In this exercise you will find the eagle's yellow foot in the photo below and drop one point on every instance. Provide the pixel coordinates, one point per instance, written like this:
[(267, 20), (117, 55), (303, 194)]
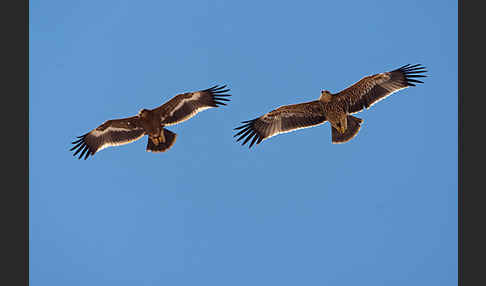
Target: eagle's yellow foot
[(155, 141)]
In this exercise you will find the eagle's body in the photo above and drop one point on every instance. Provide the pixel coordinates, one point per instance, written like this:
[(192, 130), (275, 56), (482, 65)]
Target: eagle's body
[(150, 122), (335, 108)]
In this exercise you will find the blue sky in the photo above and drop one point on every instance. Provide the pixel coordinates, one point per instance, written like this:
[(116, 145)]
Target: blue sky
[(296, 210)]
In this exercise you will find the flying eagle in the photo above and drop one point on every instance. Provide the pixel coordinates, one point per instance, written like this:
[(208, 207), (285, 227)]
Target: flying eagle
[(150, 122), (335, 108)]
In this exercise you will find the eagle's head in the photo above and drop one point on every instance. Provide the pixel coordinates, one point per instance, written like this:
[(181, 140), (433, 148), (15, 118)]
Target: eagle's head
[(325, 96), (143, 113)]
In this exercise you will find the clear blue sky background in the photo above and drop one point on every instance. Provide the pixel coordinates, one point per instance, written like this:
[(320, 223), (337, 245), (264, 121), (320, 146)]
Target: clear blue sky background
[(295, 210)]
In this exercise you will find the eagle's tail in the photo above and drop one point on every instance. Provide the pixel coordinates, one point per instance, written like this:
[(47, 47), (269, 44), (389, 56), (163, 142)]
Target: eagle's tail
[(170, 138), (354, 124)]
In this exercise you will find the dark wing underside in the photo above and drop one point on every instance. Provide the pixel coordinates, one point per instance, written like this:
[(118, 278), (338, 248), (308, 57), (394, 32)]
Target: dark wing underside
[(110, 133), (372, 89), (185, 106), (281, 120)]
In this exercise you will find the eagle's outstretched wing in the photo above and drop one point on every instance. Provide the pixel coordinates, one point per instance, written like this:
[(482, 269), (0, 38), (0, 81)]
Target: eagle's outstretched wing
[(371, 89), (281, 120), (186, 105), (111, 133)]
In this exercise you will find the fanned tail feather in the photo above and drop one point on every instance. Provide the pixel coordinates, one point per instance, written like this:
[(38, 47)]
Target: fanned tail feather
[(354, 124)]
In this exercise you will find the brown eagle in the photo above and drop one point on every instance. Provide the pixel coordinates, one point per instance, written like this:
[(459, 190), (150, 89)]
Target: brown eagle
[(335, 108), (150, 122)]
